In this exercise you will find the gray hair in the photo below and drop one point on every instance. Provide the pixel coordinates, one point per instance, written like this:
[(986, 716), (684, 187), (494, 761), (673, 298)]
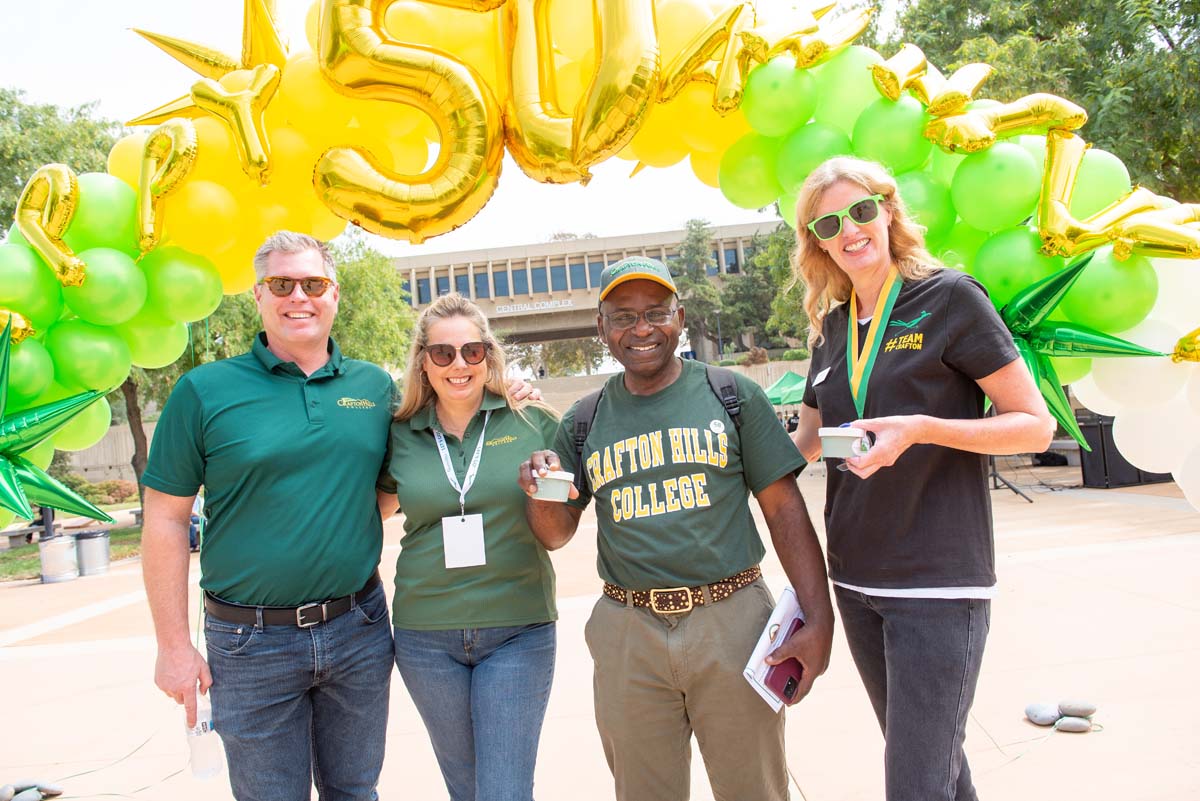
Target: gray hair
[(292, 242)]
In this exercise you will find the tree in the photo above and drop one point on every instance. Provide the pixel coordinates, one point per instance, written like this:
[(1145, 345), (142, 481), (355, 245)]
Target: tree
[(560, 357), (374, 323), (1134, 65), (32, 135), (700, 298), (773, 253)]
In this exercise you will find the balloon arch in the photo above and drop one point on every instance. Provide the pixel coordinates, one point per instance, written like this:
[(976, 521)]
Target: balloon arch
[(397, 116)]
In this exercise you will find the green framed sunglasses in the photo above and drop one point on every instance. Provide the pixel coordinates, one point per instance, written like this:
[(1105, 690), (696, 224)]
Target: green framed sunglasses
[(862, 212)]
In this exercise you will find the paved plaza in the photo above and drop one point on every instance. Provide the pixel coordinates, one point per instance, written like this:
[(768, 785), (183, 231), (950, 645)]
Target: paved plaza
[(1099, 600)]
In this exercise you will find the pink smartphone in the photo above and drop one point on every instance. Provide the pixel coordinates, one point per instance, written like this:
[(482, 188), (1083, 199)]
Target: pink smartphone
[(784, 679)]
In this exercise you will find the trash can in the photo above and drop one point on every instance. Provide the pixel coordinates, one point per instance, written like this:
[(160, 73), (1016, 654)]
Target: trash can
[(92, 548), (59, 561)]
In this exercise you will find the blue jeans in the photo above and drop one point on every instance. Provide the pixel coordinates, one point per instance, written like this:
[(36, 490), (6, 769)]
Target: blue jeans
[(482, 694), (919, 659), (297, 706)]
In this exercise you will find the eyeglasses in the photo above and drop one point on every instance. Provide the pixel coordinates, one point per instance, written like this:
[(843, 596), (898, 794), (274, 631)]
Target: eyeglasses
[(861, 211), (314, 286), (472, 353), (626, 319)]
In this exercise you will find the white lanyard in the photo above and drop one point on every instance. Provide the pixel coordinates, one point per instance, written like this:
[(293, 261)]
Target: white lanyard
[(465, 487)]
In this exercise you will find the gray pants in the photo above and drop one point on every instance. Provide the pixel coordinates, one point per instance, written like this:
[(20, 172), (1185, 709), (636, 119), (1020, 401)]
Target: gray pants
[(919, 659)]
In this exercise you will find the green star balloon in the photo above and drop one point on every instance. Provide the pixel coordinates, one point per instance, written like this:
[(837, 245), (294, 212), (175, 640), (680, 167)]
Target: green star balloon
[(1037, 339), (22, 482)]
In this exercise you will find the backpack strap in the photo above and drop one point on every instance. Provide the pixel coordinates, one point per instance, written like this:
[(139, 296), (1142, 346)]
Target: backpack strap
[(585, 413), (724, 386)]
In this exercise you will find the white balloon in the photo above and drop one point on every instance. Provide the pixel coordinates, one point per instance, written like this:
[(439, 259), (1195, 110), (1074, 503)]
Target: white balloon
[(1143, 380), (1188, 477), (1178, 292), (1193, 390), (1092, 397), (1156, 438)]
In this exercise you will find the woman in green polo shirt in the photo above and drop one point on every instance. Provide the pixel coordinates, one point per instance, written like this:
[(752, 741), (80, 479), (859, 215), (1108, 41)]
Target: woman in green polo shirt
[(474, 608)]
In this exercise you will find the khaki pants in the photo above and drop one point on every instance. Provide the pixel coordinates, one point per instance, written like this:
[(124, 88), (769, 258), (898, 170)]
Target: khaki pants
[(659, 678)]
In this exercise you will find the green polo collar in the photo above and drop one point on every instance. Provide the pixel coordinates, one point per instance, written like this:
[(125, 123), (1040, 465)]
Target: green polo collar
[(272, 362), (427, 417)]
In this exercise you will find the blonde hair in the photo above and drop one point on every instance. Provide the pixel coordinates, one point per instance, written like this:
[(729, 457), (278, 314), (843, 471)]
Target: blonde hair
[(418, 394), (825, 284)]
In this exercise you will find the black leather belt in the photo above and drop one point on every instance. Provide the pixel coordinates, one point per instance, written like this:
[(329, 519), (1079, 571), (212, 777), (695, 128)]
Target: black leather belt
[(304, 616)]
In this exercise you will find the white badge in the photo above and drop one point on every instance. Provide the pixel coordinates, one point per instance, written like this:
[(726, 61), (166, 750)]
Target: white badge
[(462, 541), (821, 376)]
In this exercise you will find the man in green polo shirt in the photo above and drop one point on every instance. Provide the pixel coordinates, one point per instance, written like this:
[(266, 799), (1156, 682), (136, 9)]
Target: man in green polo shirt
[(287, 441), (684, 601)]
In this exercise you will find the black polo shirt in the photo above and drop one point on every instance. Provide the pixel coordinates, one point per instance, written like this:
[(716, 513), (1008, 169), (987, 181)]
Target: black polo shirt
[(926, 521)]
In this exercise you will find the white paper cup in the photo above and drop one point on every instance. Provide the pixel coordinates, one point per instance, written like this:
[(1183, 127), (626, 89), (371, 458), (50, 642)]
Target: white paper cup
[(554, 486), (842, 443)]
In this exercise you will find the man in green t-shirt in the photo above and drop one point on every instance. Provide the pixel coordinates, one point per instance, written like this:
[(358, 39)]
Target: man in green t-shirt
[(287, 440), (684, 601)]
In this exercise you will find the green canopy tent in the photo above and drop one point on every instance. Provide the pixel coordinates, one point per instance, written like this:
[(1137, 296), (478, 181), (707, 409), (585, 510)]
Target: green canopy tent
[(793, 394), (776, 392)]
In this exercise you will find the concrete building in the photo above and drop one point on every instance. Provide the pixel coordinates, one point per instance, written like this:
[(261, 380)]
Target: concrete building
[(550, 290)]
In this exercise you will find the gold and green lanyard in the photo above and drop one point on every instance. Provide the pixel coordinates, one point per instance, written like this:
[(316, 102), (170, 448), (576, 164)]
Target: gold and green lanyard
[(861, 363)]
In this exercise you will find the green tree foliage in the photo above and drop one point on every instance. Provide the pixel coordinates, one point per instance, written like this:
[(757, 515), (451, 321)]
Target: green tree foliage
[(1133, 64), (32, 135), (561, 357), (700, 298)]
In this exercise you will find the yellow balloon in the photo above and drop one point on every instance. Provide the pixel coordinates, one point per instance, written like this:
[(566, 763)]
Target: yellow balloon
[(294, 157), (307, 101), (658, 143), (409, 155), (236, 267), (201, 217), (714, 133), (705, 166), (410, 22), (571, 26), (312, 20), (216, 154), (125, 158), (678, 22), (325, 225)]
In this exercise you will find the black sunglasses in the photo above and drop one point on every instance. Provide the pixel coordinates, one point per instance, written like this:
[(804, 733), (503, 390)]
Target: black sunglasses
[(472, 352), (314, 286), (861, 211)]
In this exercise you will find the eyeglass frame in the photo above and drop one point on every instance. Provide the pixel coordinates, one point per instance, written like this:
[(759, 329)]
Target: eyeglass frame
[(843, 214), (642, 315), (456, 351), (325, 281)]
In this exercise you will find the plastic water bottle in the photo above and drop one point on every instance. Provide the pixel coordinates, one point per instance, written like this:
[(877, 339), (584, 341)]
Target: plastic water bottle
[(203, 744)]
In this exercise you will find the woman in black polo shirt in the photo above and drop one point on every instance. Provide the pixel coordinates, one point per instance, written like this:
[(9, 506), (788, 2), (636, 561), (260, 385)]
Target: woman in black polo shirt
[(907, 350)]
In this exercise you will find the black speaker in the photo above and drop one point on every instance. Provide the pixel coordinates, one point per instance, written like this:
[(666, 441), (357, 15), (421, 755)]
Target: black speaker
[(1104, 467)]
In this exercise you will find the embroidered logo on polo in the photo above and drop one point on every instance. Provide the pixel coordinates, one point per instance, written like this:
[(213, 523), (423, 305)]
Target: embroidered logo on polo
[(355, 403), (505, 440), (910, 341)]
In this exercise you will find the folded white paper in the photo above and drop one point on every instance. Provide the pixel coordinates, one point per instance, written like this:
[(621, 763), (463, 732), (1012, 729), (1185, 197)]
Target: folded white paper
[(787, 609)]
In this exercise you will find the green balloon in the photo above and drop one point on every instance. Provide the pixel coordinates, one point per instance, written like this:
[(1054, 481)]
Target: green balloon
[(943, 165), (1111, 295), (112, 291), (1012, 260), (892, 133), (996, 188), (1071, 368), (106, 216), (845, 87), (928, 201), (805, 148), (787, 208), (28, 286), (15, 237), (778, 97), (1034, 145), (1102, 179), (153, 340), (182, 286), (30, 371), (960, 246), (88, 428), (747, 172), (87, 356)]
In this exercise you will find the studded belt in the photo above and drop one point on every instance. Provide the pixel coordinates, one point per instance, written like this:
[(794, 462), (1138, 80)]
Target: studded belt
[(674, 600)]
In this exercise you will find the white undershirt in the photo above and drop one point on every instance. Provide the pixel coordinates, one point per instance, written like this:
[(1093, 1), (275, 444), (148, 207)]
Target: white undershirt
[(923, 592)]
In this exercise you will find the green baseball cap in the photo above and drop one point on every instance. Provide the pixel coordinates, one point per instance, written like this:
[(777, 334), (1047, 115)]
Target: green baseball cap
[(635, 268)]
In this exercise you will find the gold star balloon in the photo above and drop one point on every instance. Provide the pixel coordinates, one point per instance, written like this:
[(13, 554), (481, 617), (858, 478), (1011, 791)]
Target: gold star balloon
[(21, 482)]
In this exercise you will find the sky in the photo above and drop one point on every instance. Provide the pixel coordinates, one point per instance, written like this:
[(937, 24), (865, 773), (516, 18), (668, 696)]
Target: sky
[(69, 53)]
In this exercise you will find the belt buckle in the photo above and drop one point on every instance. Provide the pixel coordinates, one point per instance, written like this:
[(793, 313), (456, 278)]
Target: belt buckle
[(308, 624), (687, 594)]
